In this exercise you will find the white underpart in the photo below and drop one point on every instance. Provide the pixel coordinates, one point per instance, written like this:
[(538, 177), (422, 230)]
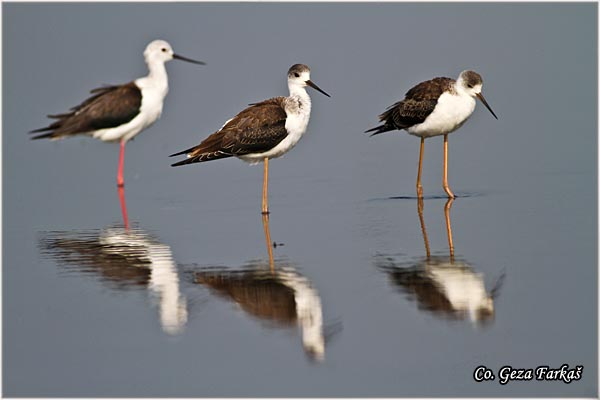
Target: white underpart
[(297, 108), (464, 289), (309, 312), (154, 88), (164, 281), (451, 112)]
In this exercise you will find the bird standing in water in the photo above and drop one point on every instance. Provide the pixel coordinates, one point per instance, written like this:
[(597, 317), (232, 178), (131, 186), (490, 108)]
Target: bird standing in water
[(264, 130), (119, 112), (432, 108)]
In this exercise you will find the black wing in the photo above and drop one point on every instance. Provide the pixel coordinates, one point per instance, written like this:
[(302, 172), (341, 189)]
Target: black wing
[(419, 102), (110, 106)]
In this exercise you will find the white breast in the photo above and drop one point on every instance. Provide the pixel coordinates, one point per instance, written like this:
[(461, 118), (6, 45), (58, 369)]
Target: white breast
[(451, 111), (295, 124), (150, 110)]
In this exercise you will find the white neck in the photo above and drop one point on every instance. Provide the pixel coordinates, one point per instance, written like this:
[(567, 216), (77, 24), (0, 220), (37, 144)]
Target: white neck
[(459, 88), (156, 67), (299, 92), (157, 75)]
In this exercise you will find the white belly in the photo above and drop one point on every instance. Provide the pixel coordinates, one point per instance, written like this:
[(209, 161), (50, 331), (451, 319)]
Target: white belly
[(295, 124), (450, 113), (150, 110)]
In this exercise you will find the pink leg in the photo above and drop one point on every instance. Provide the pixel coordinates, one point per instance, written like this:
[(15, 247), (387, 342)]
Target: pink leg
[(120, 181), (123, 207)]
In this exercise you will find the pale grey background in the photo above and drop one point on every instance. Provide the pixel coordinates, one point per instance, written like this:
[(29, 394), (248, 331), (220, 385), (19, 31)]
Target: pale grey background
[(530, 177)]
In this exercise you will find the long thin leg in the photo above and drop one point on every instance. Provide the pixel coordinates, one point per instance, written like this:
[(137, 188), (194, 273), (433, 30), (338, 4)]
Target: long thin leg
[(420, 210), (447, 208), (120, 181), (265, 194), (419, 187), (446, 187), (265, 220), (123, 206)]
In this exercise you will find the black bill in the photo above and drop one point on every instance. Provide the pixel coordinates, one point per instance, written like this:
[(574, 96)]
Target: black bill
[(178, 57), (480, 97), (312, 85)]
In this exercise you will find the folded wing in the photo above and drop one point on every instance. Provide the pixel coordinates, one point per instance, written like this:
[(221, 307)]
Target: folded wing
[(109, 107), (256, 129)]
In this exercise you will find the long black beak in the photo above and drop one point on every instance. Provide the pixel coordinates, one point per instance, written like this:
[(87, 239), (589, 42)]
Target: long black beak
[(178, 57), (312, 85), (480, 97)]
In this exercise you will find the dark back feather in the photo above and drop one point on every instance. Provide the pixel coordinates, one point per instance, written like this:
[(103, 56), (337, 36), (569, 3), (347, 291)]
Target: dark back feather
[(256, 129), (430, 90), (418, 103), (110, 106)]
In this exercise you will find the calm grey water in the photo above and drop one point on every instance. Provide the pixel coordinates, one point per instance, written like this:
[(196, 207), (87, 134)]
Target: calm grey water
[(188, 302)]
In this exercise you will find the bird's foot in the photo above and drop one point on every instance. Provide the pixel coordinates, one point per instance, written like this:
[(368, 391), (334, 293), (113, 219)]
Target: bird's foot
[(449, 192)]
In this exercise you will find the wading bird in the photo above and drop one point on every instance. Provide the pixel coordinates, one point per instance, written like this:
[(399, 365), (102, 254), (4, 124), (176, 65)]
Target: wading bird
[(432, 108), (119, 112), (264, 130)]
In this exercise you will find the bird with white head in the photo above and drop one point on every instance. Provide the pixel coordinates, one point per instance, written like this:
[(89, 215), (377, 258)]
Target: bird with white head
[(120, 112)]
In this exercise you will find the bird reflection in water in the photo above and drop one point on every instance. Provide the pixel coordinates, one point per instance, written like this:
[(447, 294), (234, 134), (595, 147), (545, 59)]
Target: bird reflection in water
[(445, 286), (273, 292), (121, 190), (123, 258)]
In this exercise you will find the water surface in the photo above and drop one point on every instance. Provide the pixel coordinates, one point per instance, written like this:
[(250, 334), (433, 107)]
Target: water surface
[(362, 295)]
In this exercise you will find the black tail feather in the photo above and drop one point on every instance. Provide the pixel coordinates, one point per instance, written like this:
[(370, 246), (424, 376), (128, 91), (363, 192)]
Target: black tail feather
[(186, 161), (184, 151), (380, 129), (41, 130), (203, 157), (59, 116), (42, 136), (53, 126)]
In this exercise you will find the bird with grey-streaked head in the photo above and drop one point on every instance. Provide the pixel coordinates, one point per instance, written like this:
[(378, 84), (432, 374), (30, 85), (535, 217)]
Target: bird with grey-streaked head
[(435, 107), (264, 130)]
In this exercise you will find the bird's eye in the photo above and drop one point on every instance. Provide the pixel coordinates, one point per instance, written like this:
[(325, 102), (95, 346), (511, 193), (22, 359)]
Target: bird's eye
[(164, 49), (471, 86), (297, 75)]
